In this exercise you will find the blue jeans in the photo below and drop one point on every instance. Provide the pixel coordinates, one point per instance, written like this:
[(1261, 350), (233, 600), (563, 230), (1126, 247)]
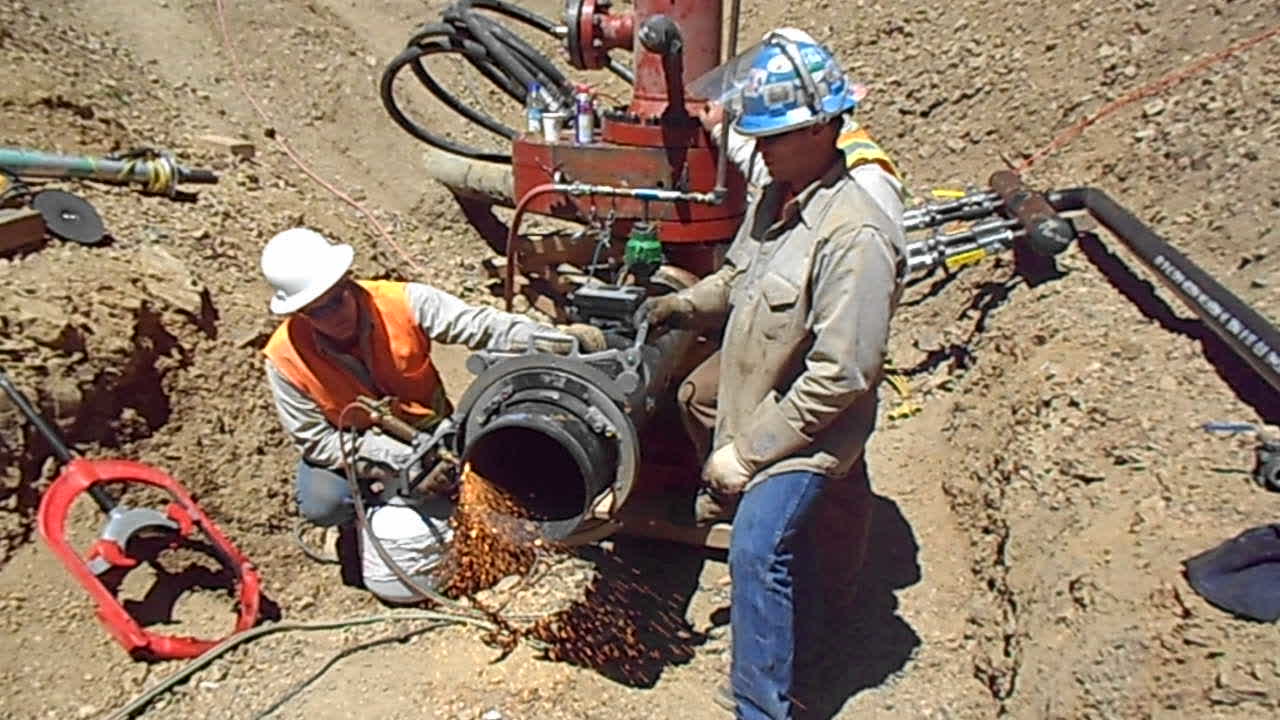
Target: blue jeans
[(776, 611), (323, 496)]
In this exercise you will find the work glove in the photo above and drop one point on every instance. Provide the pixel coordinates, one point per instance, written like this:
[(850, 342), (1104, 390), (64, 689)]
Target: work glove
[(725, 472), (441, 479), (673, 310), (438, 473), (590, 338), (380, 456), (710, 507)]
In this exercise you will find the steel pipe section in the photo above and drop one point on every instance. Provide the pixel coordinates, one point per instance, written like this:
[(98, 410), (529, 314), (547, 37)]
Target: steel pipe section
[(555, 431)]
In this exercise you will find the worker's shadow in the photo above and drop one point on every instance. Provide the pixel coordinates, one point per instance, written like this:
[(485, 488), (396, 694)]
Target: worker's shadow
[(631, 624), (866, 641)]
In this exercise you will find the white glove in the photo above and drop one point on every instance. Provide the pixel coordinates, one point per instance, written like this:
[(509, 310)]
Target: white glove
[(380, 455), (726, 473)]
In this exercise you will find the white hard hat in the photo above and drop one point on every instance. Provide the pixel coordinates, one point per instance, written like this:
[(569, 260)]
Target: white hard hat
[(301, 265)]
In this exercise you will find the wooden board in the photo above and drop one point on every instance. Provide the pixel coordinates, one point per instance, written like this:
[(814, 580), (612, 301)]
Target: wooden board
[(20, 229)]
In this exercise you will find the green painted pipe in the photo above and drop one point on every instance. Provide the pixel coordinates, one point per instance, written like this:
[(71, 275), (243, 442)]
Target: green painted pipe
[(160, 174)]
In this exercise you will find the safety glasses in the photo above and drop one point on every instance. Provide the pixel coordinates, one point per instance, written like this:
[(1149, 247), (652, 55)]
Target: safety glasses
[(327, 303)]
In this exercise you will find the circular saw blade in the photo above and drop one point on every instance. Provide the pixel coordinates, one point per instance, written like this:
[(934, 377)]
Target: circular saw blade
[(69, 217)]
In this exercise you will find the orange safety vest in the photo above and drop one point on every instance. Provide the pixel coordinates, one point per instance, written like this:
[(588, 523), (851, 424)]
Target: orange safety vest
[(400, 364), (859, 149)]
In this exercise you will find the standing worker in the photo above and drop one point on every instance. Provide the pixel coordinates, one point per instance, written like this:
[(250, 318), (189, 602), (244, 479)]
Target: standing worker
[(869, 166), (805, 296), (343, 338)]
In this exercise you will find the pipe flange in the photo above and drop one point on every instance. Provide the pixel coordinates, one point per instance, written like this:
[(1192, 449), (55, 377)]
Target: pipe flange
[(517, 375), (579, 18)]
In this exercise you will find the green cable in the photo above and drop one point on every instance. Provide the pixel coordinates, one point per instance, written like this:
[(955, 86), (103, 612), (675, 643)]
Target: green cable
[(297, 689), (142, 701)]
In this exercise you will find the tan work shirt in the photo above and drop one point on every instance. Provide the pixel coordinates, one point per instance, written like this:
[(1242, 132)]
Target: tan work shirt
[(809, 291)]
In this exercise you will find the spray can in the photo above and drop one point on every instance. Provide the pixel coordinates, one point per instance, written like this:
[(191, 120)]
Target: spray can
[(533, 108), (584, 115)]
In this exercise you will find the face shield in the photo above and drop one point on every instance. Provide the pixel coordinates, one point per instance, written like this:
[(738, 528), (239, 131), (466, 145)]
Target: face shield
[(726, 83), (778, 85)]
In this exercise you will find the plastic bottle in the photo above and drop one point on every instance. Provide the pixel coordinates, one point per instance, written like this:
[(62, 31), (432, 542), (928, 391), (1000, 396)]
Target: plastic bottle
[(415, 538), (534, 105), (584, 115)]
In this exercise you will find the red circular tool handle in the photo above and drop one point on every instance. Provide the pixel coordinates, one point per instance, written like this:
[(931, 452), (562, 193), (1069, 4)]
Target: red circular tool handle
[(78, 477)]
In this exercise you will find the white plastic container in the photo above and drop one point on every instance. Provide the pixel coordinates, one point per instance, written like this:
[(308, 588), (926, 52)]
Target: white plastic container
[(552, 124), (415, 537)]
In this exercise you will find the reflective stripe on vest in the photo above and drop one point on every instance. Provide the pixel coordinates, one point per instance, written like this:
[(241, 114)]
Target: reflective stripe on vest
[(400, 362), (860, 149)]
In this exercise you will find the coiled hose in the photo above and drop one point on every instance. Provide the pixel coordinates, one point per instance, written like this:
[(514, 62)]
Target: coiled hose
[(502, 56)]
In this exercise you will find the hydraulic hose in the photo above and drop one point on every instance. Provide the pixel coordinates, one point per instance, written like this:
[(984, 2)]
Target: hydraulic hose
[(502, 56), (1254, 339)]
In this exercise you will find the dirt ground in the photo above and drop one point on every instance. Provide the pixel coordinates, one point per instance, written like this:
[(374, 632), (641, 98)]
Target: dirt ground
[(1030, 521)]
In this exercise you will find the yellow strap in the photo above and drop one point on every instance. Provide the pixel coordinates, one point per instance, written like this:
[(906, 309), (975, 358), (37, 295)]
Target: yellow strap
[(906, 406), (860, 149), (971, 257)]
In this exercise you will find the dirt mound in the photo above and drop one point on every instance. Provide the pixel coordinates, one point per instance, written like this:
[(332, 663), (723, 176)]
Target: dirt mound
[(98, 349), (1031, 518)]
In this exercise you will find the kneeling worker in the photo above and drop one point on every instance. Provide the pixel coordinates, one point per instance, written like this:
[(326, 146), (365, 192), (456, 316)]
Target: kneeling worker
[(343, 338)]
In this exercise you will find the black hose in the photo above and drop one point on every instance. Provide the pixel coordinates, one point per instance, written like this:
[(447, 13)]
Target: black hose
[(500, 55), (100, 496), (412, 55), (1248, 334)]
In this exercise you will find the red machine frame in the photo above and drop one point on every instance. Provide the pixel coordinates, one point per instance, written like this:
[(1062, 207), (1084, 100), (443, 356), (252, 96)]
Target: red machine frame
[(656, 142)]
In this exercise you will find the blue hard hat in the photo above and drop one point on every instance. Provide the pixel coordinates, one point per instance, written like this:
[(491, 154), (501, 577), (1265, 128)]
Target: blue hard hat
[(791, 85)]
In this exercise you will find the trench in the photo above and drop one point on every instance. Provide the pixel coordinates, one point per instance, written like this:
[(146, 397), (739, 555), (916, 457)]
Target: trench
[(980, 497), (978, 500)]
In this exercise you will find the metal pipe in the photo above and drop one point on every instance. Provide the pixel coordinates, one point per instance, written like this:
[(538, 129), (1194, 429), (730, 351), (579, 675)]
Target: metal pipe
[(722, 162), (967, 207), (1248, 334), (100, 496), (160, 174), (548, 462), (735, 15), (558, 433), (555, 433), (1047, 232), (962, 247), (487, 181), (646, 194)]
